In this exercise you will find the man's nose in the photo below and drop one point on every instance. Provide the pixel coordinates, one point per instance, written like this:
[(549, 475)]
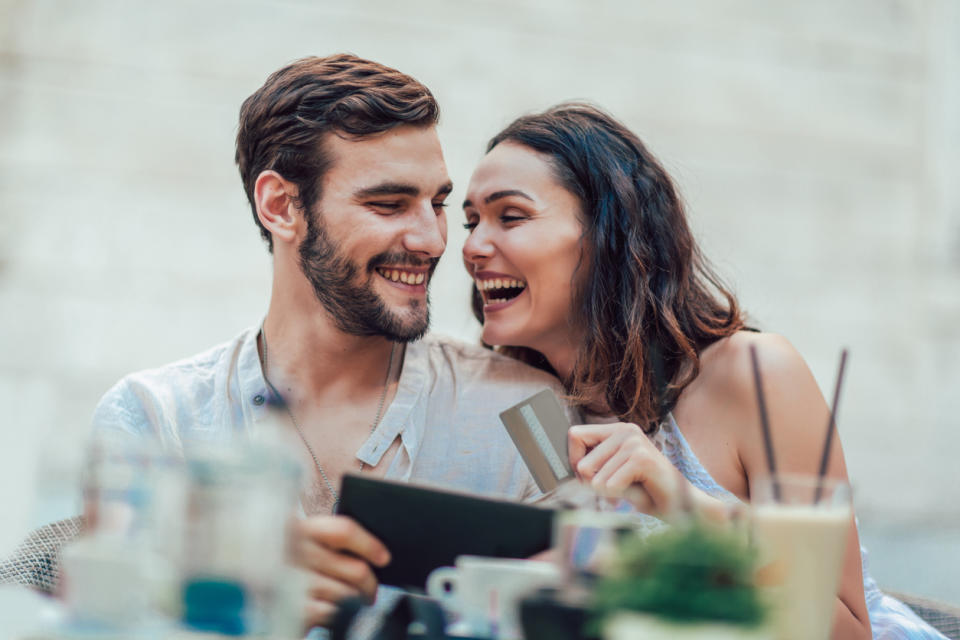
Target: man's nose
[(428, 232)]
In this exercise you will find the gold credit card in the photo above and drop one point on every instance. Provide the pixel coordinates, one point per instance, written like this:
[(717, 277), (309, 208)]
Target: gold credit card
[(539, 426)]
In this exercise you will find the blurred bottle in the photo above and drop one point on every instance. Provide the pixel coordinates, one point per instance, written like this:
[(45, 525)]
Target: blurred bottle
[(234, 569), (120, 575)]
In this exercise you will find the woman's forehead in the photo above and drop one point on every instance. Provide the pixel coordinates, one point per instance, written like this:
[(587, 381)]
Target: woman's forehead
[(512, 166)]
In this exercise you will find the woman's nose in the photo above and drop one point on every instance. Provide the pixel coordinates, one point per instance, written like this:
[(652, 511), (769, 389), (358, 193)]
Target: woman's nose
[(478, 246)]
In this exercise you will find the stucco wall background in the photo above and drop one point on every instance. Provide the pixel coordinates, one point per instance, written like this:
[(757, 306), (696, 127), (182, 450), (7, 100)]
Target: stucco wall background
[(816, 143)]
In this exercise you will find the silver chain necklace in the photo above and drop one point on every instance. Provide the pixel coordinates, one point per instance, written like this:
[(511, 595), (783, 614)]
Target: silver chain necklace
[(296, 425)]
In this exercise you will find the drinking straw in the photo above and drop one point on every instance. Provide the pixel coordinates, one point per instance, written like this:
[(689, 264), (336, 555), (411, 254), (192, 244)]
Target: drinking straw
[(764, 422), (831, 427)]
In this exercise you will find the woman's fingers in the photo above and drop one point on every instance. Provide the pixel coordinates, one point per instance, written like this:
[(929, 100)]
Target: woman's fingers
[(620, 461), (638, 471), (583, 437), (598, 456)]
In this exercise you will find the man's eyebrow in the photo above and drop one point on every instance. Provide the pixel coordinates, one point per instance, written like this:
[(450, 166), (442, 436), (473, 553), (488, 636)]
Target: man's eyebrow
[(445, 189), (387, 189), (497, 195)]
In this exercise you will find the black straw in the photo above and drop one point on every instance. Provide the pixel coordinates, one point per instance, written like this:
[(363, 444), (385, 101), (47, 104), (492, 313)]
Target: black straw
[(765, 422), (831, 426)]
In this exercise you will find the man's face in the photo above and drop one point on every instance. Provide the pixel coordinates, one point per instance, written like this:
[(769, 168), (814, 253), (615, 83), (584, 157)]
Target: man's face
[(377, 231)]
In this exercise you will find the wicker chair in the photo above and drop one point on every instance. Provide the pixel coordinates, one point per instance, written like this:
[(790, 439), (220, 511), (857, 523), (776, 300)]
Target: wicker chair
[(36, 562), (944, 618)]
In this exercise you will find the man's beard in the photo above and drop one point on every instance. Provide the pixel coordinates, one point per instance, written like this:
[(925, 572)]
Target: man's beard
[(352, 303)]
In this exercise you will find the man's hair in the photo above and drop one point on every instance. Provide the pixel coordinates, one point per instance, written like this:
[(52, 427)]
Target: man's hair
[(282, 124)]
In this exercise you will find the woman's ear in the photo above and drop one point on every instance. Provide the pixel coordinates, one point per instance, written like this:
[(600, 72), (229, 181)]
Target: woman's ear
[(276, 205)]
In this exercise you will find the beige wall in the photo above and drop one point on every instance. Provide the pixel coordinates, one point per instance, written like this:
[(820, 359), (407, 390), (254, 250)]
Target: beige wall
[(816, 143)]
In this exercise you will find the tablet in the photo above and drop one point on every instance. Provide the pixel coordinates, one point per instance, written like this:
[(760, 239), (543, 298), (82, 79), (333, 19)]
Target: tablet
[(426, 528)]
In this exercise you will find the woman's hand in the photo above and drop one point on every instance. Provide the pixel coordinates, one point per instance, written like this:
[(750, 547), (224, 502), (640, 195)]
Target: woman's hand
[(620, 461)]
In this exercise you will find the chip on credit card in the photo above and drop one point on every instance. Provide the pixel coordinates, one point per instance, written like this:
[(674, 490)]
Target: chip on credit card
[(539, 426)]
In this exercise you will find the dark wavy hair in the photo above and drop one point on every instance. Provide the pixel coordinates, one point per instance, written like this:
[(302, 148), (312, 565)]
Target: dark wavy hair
[(644, 294), (282, 124)]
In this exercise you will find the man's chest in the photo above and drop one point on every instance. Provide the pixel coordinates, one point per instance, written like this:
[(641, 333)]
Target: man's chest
[(328, 447)]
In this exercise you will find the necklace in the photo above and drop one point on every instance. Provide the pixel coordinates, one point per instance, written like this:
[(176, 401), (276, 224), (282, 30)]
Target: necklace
[(296, 425)]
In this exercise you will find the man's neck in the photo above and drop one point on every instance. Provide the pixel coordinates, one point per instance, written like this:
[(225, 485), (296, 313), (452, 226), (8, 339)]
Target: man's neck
[(310, 359)]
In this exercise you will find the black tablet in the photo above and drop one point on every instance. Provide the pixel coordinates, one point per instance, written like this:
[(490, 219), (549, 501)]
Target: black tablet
[(426, 528)]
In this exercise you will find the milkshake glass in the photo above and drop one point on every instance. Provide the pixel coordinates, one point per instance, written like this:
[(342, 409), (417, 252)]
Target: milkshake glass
[(800, 524)]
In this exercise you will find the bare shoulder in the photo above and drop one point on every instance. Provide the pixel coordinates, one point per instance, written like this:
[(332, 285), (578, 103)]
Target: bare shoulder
[(726, 364), (796, 409)]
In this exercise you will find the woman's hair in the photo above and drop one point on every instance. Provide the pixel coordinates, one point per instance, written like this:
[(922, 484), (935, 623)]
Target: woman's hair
[(648, 301)]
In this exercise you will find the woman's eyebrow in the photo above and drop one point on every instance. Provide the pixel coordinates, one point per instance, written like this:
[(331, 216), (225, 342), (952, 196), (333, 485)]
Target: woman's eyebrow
[(497, 195)]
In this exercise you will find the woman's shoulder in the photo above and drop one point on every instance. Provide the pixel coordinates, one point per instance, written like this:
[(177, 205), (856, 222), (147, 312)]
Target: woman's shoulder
[(796, 409), (727, 363)]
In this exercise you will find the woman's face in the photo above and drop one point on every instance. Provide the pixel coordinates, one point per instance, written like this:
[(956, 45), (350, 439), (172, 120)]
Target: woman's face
[(523, 249)]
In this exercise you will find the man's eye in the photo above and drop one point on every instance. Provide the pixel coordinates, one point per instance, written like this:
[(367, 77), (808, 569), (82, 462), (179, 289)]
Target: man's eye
[(439, 205), (392, 206)]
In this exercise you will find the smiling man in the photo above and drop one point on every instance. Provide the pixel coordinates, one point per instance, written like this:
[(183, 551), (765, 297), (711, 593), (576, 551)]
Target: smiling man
[(346, 181)]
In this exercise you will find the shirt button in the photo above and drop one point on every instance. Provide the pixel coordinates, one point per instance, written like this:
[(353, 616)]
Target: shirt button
[(258, 400)]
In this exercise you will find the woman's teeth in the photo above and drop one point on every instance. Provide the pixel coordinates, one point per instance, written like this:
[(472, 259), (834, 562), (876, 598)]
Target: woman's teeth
[(500, 283), (406, 277), (497, 290)]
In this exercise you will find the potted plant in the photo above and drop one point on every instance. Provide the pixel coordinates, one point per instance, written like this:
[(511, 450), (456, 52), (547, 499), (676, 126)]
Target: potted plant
[(689, 581)]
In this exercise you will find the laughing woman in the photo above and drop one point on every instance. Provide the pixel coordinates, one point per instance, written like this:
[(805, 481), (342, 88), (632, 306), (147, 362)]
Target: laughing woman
[(584, 265)]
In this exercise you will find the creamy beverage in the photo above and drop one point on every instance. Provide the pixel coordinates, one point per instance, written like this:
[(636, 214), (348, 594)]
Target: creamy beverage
[(802, 548)]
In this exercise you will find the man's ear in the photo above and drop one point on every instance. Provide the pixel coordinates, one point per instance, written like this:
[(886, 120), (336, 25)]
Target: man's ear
[(276, 205)]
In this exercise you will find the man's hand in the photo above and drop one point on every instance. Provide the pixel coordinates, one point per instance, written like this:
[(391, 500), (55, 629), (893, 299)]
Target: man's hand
[(338, 553)]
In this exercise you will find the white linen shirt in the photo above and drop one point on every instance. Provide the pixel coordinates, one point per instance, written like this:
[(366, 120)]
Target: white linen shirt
[(445, 411)]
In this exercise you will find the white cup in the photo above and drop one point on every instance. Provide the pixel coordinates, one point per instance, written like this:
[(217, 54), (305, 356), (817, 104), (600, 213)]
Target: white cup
[(485, 593)]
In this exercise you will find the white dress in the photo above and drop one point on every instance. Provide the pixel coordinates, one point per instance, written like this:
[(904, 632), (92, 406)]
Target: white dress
[(889, 618)]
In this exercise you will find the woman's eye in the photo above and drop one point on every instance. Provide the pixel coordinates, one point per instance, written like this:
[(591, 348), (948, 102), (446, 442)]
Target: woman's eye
[(469, 226), (508, 219)]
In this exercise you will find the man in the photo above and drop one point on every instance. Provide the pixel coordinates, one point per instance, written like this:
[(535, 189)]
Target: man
[(346, 179)]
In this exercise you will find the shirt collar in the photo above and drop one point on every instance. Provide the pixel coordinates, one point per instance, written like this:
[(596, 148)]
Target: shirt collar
[(253, 387), (397, 420)]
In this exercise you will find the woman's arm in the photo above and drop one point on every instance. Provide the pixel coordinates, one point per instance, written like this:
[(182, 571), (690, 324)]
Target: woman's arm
[(798, 416)]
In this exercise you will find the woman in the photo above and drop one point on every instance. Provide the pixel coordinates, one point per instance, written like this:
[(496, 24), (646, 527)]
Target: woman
[(584, 265)]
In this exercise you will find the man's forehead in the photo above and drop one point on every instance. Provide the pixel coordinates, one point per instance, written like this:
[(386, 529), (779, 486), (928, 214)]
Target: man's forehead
[(402, 155)]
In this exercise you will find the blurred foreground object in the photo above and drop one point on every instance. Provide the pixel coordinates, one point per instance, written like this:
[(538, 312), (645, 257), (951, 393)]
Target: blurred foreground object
[(165, 542), (690, 581)]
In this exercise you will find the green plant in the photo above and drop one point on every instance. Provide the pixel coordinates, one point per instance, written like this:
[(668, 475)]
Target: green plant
[(692, 572)]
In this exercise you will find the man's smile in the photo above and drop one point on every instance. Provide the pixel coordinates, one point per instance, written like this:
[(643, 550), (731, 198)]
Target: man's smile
[(412, 278)]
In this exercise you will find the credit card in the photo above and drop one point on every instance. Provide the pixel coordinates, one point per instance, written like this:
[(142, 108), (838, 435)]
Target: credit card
[(539, 426)]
